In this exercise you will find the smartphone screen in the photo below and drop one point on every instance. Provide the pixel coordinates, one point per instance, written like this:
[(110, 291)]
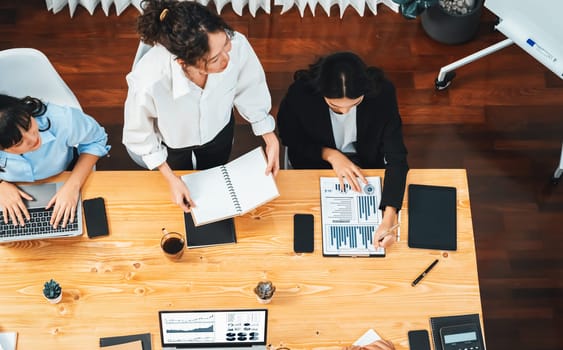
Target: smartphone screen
[(303, 233), (95, 217), (418, 340)]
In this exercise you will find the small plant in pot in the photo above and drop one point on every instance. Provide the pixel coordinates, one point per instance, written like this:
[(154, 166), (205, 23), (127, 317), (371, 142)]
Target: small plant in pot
[(446, 21), (264, 291), (52, 291)]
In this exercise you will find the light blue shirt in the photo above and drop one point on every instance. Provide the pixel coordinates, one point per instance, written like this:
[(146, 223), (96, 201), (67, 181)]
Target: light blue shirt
[(70, 128)]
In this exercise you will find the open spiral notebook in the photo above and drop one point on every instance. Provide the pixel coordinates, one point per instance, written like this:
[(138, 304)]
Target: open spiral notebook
[(232, 189)]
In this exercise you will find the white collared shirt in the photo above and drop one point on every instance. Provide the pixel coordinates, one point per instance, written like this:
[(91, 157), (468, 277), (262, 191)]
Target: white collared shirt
[(163, 105), (344, 130)]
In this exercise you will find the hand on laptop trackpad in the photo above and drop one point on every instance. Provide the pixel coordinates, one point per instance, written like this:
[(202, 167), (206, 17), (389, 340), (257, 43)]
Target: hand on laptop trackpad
[(41, 193)]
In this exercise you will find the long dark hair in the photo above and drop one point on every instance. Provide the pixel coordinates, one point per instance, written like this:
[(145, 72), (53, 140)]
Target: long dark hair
[(15, 117), (180, 26), (342, 74)]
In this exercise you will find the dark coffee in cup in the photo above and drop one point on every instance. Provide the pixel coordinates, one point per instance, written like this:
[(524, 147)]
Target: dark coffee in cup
[(172, 243)]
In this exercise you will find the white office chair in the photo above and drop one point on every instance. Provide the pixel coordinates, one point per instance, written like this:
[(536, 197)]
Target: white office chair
[(142, 49), (28, 72)]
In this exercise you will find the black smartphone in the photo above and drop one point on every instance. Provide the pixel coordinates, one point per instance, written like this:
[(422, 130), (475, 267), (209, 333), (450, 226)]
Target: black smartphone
[(419, 340), (95, 217), (303, 233)]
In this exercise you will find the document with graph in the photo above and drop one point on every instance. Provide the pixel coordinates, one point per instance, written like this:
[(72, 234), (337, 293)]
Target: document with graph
[(350, 218)]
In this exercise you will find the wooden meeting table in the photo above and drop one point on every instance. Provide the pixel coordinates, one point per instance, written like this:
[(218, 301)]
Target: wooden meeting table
[(116, 285)]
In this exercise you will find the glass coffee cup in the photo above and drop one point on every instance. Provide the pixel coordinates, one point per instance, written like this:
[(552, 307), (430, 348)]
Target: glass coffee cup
[(172, 244)]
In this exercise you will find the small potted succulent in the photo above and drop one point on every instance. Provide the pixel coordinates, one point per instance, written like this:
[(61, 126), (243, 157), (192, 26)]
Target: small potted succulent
[(52, 291), (264, 291), (446, 21)]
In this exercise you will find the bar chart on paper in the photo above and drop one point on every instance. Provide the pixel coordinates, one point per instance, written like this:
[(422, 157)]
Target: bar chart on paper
[(350, 218)]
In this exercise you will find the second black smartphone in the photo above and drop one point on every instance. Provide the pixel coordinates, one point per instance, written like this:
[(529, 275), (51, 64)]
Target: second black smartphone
[(95, 217), (303, 233), (419, 340)]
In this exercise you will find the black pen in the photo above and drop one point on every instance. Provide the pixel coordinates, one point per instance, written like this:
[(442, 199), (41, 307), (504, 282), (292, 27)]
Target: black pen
[(419, 278)]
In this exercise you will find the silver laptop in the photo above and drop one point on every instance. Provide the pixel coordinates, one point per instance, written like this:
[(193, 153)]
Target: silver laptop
[(38, 226), (214, 329)]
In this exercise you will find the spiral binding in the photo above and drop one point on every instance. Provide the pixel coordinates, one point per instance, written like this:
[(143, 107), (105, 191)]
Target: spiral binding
[(231, 189)]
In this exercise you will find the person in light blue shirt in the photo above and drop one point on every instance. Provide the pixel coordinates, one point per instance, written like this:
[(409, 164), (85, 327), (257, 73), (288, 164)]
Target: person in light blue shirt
[(38, 141)]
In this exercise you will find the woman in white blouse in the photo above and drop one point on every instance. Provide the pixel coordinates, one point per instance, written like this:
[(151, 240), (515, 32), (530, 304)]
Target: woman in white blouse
[(182, 92)]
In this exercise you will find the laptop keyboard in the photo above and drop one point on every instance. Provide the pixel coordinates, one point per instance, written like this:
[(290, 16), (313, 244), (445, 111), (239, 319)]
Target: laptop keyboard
[(37, 225)]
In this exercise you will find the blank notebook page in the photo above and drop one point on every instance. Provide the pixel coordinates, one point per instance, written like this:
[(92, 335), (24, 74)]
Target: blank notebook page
[(210, 195), (251, 185)]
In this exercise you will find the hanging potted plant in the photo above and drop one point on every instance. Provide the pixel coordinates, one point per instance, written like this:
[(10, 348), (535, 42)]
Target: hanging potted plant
[(52, 291), (446, 21)]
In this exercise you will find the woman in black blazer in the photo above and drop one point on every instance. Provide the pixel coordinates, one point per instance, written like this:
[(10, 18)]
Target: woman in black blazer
[(343, 115)]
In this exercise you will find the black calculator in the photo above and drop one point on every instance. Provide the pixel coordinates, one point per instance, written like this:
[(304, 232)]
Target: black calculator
[(461, 337)]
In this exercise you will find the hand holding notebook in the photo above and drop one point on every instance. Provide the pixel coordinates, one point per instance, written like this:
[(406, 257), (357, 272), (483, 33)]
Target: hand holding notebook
[(231, 189)]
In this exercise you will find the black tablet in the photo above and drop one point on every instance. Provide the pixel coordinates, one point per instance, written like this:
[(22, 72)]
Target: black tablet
[(432, 217)]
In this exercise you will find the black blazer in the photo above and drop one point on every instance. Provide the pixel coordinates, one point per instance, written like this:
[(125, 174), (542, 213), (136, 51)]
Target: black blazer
[(305, 128)]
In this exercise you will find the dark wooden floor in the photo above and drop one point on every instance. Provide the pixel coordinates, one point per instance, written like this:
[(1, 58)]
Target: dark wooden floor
[(502, 119)]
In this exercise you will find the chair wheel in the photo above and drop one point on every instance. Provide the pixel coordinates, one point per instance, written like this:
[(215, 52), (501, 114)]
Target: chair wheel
[(442, 85)]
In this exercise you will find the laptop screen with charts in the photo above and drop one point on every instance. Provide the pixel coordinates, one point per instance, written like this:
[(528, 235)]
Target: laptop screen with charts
[(38, 226), (214, 329)]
